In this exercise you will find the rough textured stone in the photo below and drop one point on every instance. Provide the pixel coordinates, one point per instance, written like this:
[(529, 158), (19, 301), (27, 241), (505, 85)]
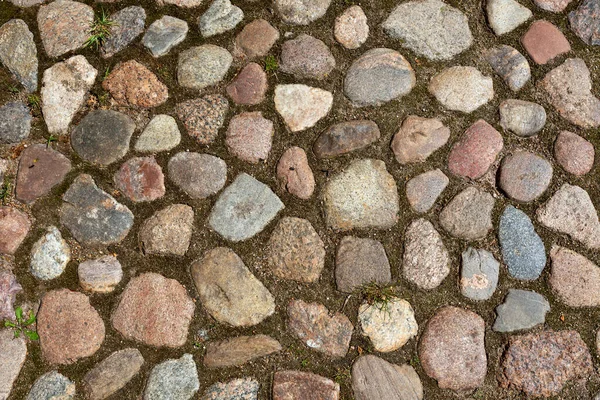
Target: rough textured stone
[(426, 261), (306, 57), (423, 190), (351, 29), (140, 179), (475, 152), (15, 123), (18, 53), (69, 327), (574, 278), (249, 86), (510, 65), (506, 15), (52, 385), (202, 66), (294, 173), (301, 12), (203, 117), (161, 134), (113, 373), (249, 136), (174, 379), (298, 385), (241, 388), (128, 24), (390, 325), (452, 349), (155, 311), (522, 117), (469, 214), (256, 39), (180, 3), (418, 138), (229, 291), (430, 28), (318, 329), (552, 5), (374, 378), (378, 76), (49, 255), (168, 231), (360, 261), (64, 26), (524, 176), (164, 34), (345, 137), (40, 169), (478, 274), (198, 175), (9, 288), (221, 16), (574, 153), (462, 88), (301, 106), (522, 309), (26, 3), (544, 42), (585, 21), (239, 350), (101, 275), (14, 352), (132, 84), (15, 224)]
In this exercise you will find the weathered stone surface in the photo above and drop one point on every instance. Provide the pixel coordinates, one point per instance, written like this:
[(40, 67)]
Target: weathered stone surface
[(378, 76), (9, 287), (49, 255), (198, 175), (574, 153), (256, 39), (180, 3), (373, 378), (93, 216), (155, 311), (506, 15), (523, 250), (475, 152), (345, 137), (522, 309), (294, 173), (132, 84), (301, 106), (15, 123), (15, 224), (318, 329), (249, 136), (40, 169), (452, 349), (101, 275), (574, 278), (478, 274), (469, 214), (102, 137), (174, 379), (418, 138), (203, 117), (64, 26), (26, 3), (524, 176), (522, 117), (430, 28), (585, 21), (511, 65), (140, 179), (18, 53), (164, 34), (461, 88), (64, 89), (161, 134), (552, 5), (351, 29), (168, 231), (544, 42), (388, 326), (249, 86), (364, 195), (360, 261), (298, 385), (301, 12), (221, 16), (128, 24), (423, 190), (571, 211), (113, 373), (241, 388), (306, 57), (229, 291), (69, 327), (14, 352), (540, 364), (52, 385), (426, 261), (239, 350), (202, 66)]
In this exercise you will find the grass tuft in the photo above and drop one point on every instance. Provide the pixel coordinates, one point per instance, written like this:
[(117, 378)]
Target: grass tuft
[(271, 64), (100, 30)]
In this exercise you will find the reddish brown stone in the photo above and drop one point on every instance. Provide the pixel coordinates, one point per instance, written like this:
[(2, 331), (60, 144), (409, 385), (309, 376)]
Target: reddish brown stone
[(203, 117), (130, 83), (574, 153), (256, 39), (544, 42), (418, 138), (249, 136), (298, 385), (14, 226), (476, 151), (249, 86), (345, 137), (40, 169), (552, 5), (141, 179), (294, 173), (239, 350)]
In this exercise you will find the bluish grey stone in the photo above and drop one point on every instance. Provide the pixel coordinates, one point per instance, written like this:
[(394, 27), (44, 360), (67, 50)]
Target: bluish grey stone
[(18, 53), (220, 17), (164, 34), (128, 24), (52, 386), (49, 255), (479, 274), (237, 389), (522, 249), (15, 123), (173, 380), (522, 309)]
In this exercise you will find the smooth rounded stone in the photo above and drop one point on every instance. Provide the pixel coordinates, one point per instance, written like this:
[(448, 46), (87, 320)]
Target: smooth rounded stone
[(154, 310), (389, 326), (69, 327), (540, 364), (239, 350), (423, 190), (523, 118), (14, 352), (452, 349), (93, 216), (469, 214), (351, 29), (345, 137), (102, 137), (301, 12), (378, 76), (203, 117), (373, 378), (244, 209), (475, 152), (506, 15), (128, 24), (241, 388), (574, 153), (522, 309), (256, 39), (319, 329), (198, 175), (40, 169), (168, 231), (15, 225), (64, 26), (65, 87), (430, 28), (249, 86), (569, 90), (511, 65), (462, 89), (18, 53), (360, 261), (364, 195), (426, 261), (574, 278), (202, 66), (301, 106), (9, 288), (418, 138), (221, 16), (294, 173), (306, 57), (132, 84), (164, 34), (140, 179), (52, 385), (544, 42), (161, 134), (180, 3), (112, 374), (229, 291), (15, 123), (297, 385), (49, 255), (525, 176), (174, 379), (523, 250), (552, 5), (585, 21), (478, 274), (249, 137), (101, 275)]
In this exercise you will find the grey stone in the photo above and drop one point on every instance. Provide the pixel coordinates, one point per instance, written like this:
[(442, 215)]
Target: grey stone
[(202, 66), (161, 134), (168, 231), (522, 117), (13, 352), (351, 29), (112, 374), (462, 88), (389, 326), (373, 378), (301, 106), (511, 65), (9, 288), (15, 123), (523, 250), (585, 21), (469, 214), (64, 26), (306, 57), (235, 389), (423, 190), (221, 16), (506, 15), (360, 261), (430, 28), (26, 3), (18, 53), (524, 176), (49, 255), (522, 309), (301, 12), (101, 275), (174, 379), (52, 386), (479, 274), (164, 34), (345, 137), (198, 175), (128, 24)]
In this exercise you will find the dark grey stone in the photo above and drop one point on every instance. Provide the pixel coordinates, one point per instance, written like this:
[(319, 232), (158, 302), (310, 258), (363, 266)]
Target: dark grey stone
[(522, 309), (360, 261), (128, 24), (18, 53), (52, 385), (164, 34), (15, 123), (479, 274), (345, 137), (511, 65)]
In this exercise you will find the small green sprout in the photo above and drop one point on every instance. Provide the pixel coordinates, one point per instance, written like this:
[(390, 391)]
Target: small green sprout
[(5, 192), (106, 73), (271, 64), (20, 327), (342, 376), (304, 363), (13, 89), (99, 30), (51, 139), (34, 101)]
